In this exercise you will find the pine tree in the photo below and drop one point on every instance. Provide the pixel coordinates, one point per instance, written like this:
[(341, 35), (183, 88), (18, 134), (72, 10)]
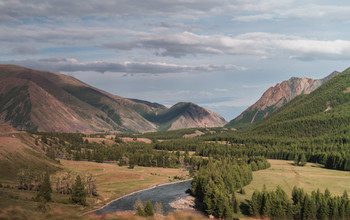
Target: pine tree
[(254, 166), (45, 189), (347, 210), (149, 209), (296, 160), (309, 208), (266, 204), (254, 208), (302, 160), (228, 211), (140, 211), (327, 194), (323, 209), (78, 192), (235, 203)]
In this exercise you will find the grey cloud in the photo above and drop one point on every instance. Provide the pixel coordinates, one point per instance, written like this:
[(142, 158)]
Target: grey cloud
[(256, 43), (309, 11), (179, 45), (11, 10), (177, 25), (54, 34), (73, 65), (24, 50), (14, 10)]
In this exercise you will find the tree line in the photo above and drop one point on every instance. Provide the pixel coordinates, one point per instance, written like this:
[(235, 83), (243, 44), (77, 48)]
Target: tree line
[(317, 205), (332, 156)]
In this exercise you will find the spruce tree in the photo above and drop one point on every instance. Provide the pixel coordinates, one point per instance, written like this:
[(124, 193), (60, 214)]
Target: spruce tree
[(327, 194), (79, 194), (140, 211), (45, 189), (235, 203), (334, 213), (149, 209), (228, 211), (296, 160), (323, 209), (266, 204), (309, 208), (254, 207), (302, 160)]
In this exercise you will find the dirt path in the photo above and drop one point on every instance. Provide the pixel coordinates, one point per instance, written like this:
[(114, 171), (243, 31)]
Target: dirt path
[(297, 176)]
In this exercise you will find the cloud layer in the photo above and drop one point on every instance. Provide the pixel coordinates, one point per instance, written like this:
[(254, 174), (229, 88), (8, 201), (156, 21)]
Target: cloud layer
[(73, 65), (15, 10), (259, 44)]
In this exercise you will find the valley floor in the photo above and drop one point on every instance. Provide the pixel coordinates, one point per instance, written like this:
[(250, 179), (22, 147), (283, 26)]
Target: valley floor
[(112, 181), (310, 177)]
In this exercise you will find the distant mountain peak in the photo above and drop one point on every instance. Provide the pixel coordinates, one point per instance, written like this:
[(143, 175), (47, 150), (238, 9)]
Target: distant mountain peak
[(276, 96), (323, 114)]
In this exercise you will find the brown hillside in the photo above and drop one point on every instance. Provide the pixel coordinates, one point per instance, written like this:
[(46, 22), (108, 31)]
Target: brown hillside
[(18, 151), (45, 101)]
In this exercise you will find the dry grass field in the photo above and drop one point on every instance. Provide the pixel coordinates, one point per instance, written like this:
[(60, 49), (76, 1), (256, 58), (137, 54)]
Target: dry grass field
[(311, 177), (113, 181)]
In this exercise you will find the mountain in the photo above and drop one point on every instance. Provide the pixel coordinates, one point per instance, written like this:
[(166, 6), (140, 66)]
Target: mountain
[(324, 112), (275, 97), (46, 101), (188, 115)]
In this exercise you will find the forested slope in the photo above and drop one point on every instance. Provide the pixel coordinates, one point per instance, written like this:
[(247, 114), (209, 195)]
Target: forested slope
[(326, 111)]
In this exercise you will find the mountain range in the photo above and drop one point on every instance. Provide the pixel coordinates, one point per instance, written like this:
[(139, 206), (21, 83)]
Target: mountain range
[(55, 102), (277, 96)]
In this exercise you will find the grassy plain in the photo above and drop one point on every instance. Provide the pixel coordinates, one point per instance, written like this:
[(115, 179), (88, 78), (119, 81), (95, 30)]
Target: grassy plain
[(311, 177), (113, 181)]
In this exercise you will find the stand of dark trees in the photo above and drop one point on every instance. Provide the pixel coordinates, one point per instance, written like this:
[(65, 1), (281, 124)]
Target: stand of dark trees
[(216, 181), (277, 205)]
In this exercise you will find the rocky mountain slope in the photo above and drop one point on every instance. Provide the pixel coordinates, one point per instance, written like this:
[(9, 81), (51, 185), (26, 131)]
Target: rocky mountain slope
[(322, 113), (275, 97), (46, 101)]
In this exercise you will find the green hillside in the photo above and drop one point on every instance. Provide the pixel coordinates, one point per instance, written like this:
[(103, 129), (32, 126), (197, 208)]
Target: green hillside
[(250, 114), (326, 111)]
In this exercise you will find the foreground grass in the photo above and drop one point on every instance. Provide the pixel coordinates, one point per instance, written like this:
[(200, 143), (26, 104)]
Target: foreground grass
[(310, 177), (59, 214)]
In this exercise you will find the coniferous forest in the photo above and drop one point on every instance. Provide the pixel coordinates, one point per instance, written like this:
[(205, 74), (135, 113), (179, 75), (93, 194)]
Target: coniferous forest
[(221, 168)]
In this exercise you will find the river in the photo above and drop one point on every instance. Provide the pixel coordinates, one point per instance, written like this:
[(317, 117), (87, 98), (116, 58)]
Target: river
[(164, 194)]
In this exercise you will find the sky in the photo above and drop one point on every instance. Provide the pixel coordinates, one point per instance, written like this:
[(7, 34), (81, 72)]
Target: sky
[(219, 54)]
